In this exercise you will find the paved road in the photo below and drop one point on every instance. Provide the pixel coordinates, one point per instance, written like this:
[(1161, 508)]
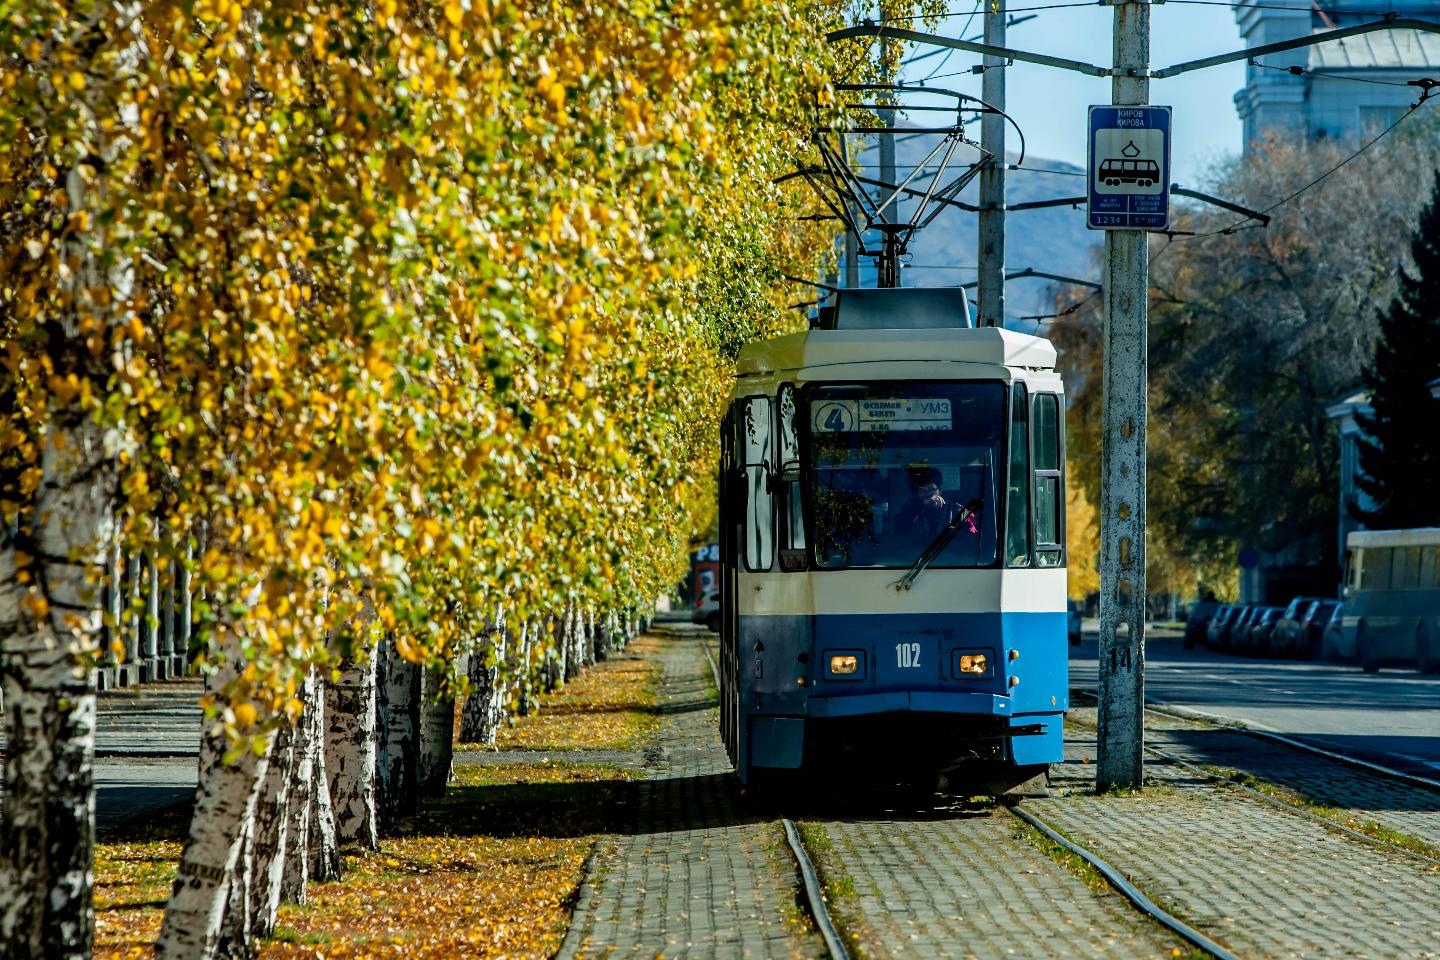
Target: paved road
[(1392, 716), (147, 748)]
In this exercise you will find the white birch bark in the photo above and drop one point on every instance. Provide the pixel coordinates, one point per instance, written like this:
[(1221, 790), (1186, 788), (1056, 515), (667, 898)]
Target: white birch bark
[(211, 861), (524, 668), (323, 847), (477, 719), (400, 733), (48, 813), (269, 837), (437, 735), (569, 642), (350, 752), (234, 942), (299, 803)]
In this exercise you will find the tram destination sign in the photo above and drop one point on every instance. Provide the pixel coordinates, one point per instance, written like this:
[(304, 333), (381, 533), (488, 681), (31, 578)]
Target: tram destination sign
[(1129, 169), (880, 414)]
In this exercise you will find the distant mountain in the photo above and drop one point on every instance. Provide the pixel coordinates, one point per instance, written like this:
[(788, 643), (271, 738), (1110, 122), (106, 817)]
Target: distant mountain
[(1049, 239)]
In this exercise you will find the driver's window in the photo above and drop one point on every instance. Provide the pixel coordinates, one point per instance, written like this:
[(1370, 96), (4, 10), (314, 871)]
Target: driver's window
[(756, 439)]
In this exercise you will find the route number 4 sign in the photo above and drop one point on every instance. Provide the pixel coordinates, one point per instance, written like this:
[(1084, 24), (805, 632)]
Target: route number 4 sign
[(1129, 168)]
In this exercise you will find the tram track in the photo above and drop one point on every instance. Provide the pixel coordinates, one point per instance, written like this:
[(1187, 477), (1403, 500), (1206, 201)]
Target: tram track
[(1241, 726), (817, 906)]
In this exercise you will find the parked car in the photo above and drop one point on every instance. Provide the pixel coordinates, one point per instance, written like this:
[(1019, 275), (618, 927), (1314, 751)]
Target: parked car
[(1285, 638), (707, 610), (1312, 628), (1334, 644), (1072, 620), (1262, 627), (1198, 620), (1215, 632), (1239, 638), (1225, 639)]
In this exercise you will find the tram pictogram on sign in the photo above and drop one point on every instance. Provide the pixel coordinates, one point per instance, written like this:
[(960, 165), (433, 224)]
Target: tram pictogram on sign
[(1129, 169)]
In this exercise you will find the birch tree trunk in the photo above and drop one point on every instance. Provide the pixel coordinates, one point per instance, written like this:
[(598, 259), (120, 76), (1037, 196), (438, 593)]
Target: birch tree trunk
[(269, 837), (351, 736), (437, 735), (47, 819), (524, 671), (478, 718), (570, 642), (211, 864), (322, 851), (400, 732), (593, 636), (234, 942), (552, 651), (304, 784)]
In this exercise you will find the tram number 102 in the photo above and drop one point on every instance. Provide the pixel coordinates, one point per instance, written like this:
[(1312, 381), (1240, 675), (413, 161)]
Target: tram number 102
[(907, 655)]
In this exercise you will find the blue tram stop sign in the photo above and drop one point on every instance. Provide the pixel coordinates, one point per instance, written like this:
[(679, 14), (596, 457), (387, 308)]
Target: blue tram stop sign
[(1129, 168)]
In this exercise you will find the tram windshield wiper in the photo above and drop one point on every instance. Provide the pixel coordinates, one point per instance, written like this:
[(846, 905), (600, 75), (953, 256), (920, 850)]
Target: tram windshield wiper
[(938, 545)]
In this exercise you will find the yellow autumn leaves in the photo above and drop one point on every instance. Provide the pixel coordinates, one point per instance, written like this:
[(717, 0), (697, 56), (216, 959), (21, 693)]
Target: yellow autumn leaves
[(424, 306)]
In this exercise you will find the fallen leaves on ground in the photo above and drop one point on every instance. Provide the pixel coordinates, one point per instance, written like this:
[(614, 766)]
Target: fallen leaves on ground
[(609, 707), (488, 871)]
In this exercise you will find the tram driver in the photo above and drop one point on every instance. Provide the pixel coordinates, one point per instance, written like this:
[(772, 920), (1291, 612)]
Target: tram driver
[(927, 511)]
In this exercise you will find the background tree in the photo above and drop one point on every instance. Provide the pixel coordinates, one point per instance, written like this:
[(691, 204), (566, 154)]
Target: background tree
[(1399, 444), (1252, 333)]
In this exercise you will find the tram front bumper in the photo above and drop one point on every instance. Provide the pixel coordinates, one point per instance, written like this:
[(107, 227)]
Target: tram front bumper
[(909, 701)]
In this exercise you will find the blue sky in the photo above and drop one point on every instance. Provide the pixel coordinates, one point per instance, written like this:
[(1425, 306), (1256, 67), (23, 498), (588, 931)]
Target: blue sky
[(1050, 105)]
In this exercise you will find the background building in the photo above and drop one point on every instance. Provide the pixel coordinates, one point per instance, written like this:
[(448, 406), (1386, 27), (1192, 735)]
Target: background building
[(1346, 87)]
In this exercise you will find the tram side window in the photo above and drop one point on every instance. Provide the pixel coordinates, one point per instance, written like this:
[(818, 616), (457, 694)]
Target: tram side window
[(1017, 510), (755, 440), (1430, 567), (1375, 568), (1049, 527)]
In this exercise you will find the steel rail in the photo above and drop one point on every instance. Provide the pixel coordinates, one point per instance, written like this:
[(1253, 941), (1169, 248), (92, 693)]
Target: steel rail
[(1240, 725), (1126, 888), (1290, 807), (814, 894), (714, 670), (1231, 723)]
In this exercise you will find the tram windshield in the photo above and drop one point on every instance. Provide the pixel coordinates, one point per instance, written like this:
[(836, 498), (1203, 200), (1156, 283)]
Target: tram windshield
[(890, 464)]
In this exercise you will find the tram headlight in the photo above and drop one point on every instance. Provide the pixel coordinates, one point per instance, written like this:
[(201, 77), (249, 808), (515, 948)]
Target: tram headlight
[(973, 664), (843, 664)]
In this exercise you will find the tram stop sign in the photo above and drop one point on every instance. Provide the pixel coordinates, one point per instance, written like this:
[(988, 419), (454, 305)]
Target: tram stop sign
[(1129, 168)]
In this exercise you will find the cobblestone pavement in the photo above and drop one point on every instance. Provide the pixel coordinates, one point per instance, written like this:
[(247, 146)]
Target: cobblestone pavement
[(692, 876), (969, 885), (1392, 803), (1263, 882)]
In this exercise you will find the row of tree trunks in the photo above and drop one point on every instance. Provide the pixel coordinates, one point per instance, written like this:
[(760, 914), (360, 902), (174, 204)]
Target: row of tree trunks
[(501, 674), (369, 743)]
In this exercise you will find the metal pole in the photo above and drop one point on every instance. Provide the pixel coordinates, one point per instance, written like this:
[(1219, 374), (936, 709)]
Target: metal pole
[(991, 292), (852, 246), (1119, 760), (889, 268)]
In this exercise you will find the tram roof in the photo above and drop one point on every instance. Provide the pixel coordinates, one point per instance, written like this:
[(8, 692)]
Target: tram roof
[(988, 345)]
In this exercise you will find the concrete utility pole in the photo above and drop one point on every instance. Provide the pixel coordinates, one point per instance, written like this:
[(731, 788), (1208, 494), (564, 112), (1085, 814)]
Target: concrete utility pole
[(1119, 760), (991, 288)]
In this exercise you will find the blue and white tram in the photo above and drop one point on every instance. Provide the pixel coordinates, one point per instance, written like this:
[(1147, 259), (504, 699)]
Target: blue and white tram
[(893, 590)]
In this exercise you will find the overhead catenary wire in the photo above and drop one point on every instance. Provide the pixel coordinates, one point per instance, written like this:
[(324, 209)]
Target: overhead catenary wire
[(1300, 6), (1299, 71), (1242, 223)]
